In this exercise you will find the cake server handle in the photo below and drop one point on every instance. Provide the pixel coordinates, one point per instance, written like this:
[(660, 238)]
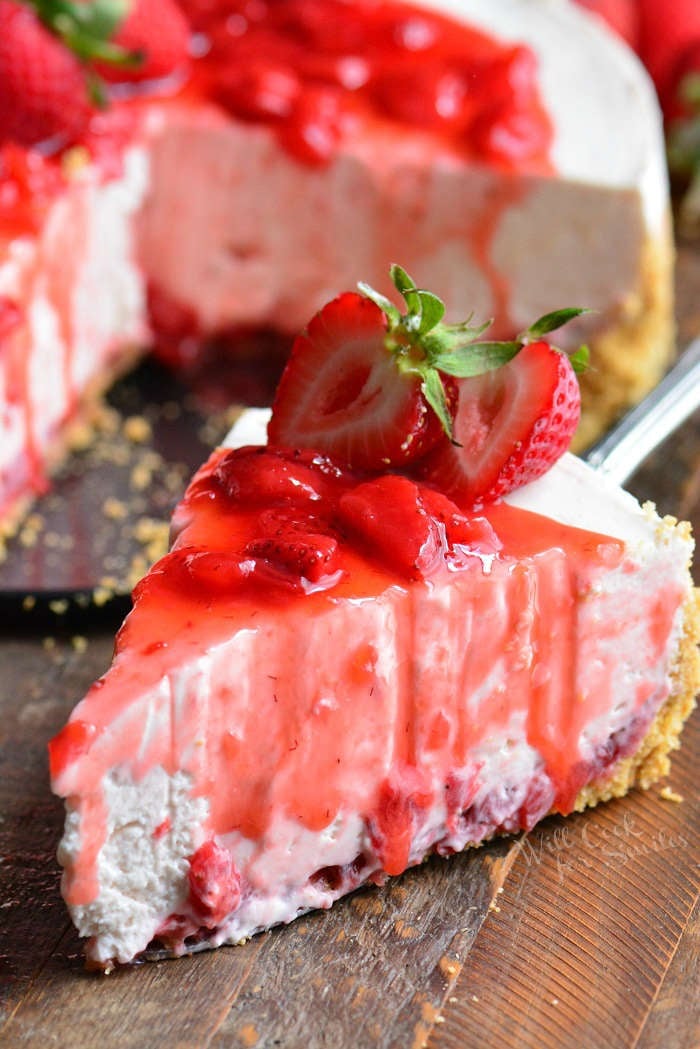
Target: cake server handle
[(626, 446)]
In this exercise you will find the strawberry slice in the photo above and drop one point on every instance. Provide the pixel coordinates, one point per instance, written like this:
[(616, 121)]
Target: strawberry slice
[(342, 393), (512, 424)]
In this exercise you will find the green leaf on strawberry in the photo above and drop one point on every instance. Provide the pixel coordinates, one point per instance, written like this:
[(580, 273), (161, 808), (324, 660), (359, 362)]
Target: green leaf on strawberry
[(551, 322), (425, 346), (580, 359)]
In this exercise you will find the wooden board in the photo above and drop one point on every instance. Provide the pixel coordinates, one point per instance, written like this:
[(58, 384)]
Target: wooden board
[(585, 933)]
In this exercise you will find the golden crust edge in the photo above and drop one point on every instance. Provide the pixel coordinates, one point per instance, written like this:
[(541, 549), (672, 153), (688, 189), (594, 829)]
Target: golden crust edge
[(631, 354)]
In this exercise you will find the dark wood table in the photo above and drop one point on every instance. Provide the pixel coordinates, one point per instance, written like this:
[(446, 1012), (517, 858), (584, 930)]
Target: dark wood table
[(583, 934)]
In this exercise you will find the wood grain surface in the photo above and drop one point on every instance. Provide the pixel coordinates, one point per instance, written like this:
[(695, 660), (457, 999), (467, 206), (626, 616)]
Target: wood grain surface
[(583, 934)]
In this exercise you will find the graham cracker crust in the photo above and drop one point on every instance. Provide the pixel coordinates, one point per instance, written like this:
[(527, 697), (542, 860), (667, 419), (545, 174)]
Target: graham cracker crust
[(631, 354)]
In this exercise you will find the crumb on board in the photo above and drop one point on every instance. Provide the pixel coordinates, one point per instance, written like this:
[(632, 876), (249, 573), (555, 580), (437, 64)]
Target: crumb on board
[(115, 509), (449, 967), (669, 794), (28, 602), (79, 643), (59, 607), (137, 429), (48, 644), (101, 595)]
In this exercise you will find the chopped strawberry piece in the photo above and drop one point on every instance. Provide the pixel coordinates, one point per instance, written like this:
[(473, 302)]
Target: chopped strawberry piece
[(264, 476), (316, 125), (202, 574), (43, 91), (343, 393), (306, 554), (511, 425), (468, 530), (389, 517), (258, 89), (215, 884)]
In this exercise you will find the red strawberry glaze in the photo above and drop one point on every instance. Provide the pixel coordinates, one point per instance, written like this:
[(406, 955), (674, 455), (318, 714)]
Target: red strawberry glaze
[(250, 716), (312, 70)]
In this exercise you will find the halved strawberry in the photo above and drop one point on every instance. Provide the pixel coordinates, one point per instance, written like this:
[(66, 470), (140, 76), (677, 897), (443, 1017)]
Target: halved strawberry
[(342, 393), (511, 425), (360, 382)]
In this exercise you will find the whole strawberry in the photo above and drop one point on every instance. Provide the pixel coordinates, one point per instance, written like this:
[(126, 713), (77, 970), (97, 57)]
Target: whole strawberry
[(43, 91), (157, 34)]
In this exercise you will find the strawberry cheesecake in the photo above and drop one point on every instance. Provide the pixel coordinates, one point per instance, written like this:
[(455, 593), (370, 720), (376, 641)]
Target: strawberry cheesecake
[(270, 154), (392, 640)]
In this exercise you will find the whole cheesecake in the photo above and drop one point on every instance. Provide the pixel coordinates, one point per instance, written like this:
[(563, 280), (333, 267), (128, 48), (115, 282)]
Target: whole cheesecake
[(312, 147), (268, 740)]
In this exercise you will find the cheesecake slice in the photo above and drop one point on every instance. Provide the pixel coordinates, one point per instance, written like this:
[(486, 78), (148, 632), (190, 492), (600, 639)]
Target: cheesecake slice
[(300, 703), (291, 164)]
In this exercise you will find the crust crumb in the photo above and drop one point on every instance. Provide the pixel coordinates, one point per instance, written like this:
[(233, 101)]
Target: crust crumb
[(137, 429), (115, 509), (668, 794)]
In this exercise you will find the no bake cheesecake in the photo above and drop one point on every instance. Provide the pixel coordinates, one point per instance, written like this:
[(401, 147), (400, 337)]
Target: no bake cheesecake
[(338, 670), (310, 144)]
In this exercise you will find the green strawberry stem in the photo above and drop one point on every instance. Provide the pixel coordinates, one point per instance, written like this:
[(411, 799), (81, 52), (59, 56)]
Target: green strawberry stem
[(87, 29), (425, 347)]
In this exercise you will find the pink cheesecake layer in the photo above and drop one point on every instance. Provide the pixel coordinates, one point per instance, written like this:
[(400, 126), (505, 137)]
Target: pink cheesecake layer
[(379, 715)]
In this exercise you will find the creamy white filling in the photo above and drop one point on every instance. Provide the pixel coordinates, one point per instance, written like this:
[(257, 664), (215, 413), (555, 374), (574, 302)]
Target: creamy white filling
[(142, 874)]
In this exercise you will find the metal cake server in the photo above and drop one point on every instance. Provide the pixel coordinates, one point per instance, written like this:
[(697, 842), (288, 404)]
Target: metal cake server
[(644, 428)]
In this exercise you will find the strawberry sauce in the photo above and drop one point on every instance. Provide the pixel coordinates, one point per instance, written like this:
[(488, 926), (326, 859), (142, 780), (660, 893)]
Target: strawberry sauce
[(311, 70), (326, 648)]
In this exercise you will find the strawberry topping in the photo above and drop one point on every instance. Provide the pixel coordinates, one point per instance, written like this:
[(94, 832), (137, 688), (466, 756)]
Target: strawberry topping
[(511, 425), (378, 389), (388, 517)]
